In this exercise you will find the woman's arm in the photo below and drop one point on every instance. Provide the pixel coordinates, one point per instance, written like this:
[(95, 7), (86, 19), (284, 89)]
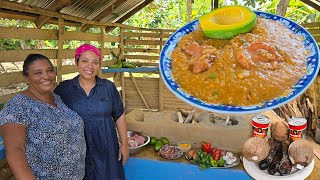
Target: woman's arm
[(124, 148), (14, 136)]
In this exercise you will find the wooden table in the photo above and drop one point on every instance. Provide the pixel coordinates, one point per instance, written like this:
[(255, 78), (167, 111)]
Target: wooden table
[(148, 153)]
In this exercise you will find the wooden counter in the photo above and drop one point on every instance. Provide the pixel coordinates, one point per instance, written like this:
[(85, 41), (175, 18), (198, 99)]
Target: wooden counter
[(148, 153)]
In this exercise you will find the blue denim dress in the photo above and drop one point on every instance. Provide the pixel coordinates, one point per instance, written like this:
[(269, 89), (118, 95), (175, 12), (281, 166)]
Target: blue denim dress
[(99, 110)]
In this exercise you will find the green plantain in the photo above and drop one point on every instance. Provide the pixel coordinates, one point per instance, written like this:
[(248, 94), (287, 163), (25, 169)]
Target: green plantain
[(119, 63), (129, 65)]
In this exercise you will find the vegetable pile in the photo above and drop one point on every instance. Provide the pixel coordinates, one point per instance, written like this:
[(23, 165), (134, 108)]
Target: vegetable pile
[(211, 157), (158, 143)]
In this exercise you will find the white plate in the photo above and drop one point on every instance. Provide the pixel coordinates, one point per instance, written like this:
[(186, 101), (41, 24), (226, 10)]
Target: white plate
[(255, 172), (302, 85)]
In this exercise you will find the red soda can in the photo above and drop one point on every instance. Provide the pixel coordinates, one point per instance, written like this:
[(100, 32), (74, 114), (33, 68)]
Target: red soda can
[(297, 128), (260, 125)]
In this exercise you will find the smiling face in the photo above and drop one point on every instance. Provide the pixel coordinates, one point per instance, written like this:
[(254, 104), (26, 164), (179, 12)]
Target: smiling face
[(88, 65), (41, 76)]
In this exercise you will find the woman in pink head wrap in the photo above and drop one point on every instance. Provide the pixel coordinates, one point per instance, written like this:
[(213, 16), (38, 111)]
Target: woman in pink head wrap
[(98, 102)]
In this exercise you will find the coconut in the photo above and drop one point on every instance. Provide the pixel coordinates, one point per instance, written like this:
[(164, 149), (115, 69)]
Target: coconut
[(300, 153), (279, 131), (256, 149)]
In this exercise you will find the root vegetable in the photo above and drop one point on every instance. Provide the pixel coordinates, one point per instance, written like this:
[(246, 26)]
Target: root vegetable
[(255, 149), (190, 154), (285, 166), (279, 131), (194, 157), (300, 153), (275, 150)]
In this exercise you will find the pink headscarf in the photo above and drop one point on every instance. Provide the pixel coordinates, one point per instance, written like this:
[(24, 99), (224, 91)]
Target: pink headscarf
[(87, 47)]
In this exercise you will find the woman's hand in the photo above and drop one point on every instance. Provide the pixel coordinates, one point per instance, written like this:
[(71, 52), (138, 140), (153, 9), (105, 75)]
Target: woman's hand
[(14, 136), (124, 148), (124, 153)]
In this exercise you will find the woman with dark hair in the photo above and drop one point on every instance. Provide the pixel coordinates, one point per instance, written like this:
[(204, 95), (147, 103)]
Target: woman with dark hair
[(43, 138), (98, 102)]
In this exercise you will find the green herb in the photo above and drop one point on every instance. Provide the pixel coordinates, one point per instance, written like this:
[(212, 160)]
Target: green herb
[(220, 162), (243, 40), (203, 160), (215, 93), (213, 76)]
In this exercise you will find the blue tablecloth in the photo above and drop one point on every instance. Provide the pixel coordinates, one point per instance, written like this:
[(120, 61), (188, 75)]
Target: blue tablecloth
[(1, 148), (140, 169)]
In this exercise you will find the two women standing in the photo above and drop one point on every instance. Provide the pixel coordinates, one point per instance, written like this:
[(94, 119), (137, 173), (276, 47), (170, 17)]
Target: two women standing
[(72, 137)]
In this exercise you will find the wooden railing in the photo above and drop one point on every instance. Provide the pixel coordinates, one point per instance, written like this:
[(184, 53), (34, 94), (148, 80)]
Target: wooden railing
[(138, 45)]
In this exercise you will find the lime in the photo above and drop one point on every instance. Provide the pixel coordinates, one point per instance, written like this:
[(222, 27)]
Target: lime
[(153, 141), (164, 140), (158, 145)]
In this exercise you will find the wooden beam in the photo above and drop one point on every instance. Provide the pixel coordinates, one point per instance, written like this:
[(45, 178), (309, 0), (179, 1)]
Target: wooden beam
[(139, 91), (56, 5), (32, 17), (103, 14), (129, 14), (312, 4)]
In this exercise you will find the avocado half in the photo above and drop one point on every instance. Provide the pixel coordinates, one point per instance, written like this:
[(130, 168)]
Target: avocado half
[(227, 22)]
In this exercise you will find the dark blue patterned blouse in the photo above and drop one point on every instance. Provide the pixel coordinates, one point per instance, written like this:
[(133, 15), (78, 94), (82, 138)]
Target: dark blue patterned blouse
[(55, 143)]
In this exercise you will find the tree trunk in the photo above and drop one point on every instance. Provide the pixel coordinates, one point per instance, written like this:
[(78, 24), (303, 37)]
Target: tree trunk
[(282, 7), (189, 8)]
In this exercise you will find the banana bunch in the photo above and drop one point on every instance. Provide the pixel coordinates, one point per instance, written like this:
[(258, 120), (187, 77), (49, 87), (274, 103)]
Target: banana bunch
[(122, 63), (128, 64)]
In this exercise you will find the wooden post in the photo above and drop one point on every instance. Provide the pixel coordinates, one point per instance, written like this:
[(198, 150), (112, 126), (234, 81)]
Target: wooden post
[(101, 47), (161, 41), (312, 94), (123, 89), (60, 50), (121, 56), (160, 78), (160, 93)]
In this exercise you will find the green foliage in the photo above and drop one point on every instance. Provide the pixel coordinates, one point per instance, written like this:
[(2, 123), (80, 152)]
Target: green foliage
[(172, 14), (160, 14)]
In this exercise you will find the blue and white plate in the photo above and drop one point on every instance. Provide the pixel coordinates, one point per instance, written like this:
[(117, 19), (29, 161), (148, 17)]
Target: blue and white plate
[(303, 84)]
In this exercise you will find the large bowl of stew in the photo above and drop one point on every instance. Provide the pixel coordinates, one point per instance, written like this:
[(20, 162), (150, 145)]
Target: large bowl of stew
[(238, 103)]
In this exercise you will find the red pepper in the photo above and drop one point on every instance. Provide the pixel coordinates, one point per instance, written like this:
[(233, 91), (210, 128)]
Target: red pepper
[(206, 147), (216, 154)]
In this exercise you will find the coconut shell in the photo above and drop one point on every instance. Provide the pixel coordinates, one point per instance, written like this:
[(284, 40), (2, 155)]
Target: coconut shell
[(300, 152), (280, 131), (256, 149)]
